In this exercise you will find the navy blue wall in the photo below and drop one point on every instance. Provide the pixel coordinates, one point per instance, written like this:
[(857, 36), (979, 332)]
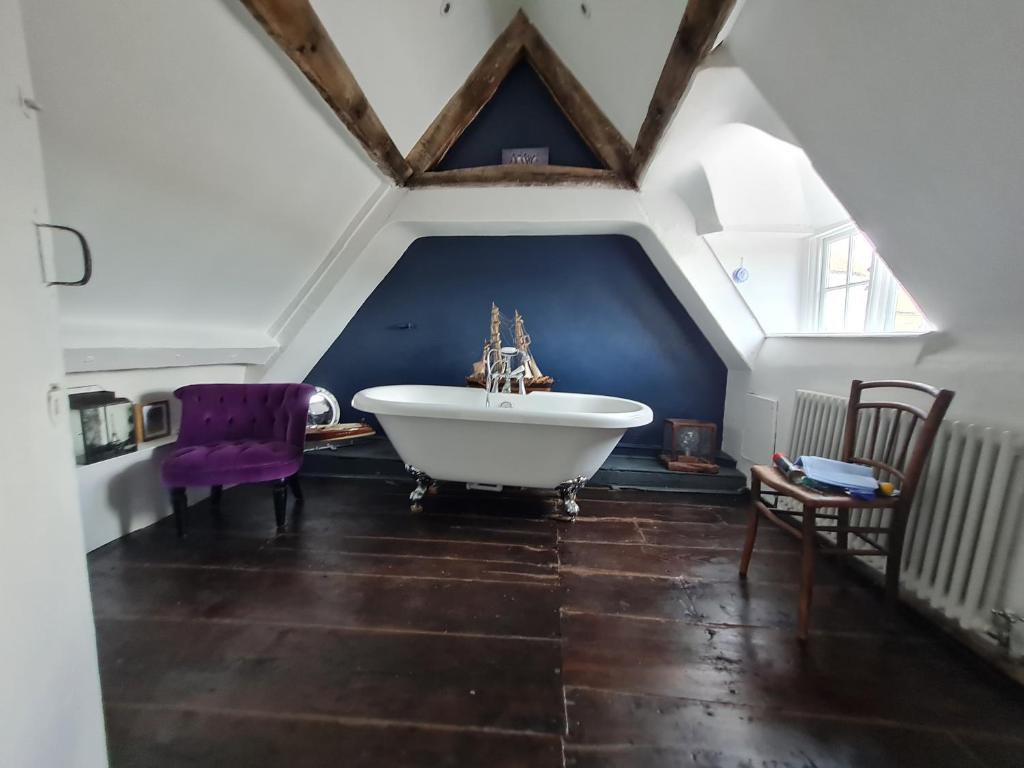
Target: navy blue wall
[(522, 113), (601, 318)]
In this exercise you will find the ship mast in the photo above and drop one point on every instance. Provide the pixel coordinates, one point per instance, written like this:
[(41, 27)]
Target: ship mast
[(523, 343), (493, 343), (495, 327), (532, 374)]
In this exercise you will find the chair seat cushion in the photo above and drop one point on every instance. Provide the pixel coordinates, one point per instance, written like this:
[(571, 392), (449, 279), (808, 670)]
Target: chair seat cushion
[(229, 462)]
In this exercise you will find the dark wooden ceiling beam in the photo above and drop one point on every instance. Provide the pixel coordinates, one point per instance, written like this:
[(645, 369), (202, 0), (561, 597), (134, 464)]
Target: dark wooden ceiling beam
[(582, 111), (472, 96), (520, 40), (295, 27), (520, 176), (702, 21)]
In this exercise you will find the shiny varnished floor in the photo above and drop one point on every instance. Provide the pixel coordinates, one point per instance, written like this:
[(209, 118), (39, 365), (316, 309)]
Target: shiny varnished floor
[(480, 634)]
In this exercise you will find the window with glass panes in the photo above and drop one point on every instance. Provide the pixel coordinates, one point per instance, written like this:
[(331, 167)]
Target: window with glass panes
[(849, 258), (907, 318), (858, 293)]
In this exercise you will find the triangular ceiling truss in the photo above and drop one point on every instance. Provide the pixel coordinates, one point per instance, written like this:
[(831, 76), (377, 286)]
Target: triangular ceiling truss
[(294, 25), (519, 41)]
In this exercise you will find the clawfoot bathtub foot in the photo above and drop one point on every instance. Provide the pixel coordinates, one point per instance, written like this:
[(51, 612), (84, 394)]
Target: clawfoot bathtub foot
[(423, 484), (567, 491)]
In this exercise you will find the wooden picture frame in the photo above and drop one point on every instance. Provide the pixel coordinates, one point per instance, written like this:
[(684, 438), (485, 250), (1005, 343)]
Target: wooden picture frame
[(152, 420)]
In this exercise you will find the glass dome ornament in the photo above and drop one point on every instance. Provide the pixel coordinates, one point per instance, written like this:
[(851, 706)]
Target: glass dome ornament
[(323, 409)]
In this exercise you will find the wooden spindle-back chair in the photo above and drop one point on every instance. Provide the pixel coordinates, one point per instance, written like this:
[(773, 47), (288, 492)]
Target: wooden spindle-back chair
[(892, 438)]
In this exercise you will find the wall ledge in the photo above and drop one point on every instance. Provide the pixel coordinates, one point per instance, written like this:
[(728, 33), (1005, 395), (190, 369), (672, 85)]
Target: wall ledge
[(922, 335), (89, 359)]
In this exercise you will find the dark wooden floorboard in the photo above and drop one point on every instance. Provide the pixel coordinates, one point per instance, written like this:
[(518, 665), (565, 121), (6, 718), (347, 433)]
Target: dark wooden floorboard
[(684, 562), (342, 522), (483, 633), (166, 738), (506, 684), (755, 604), (715, 535), (718, 536), (668, 508), (609, 728), (396, 557), (841, 674), (996, 753), (435, 605)]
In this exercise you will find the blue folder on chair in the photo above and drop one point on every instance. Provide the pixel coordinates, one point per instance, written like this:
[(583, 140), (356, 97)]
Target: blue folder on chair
[(856, 479)]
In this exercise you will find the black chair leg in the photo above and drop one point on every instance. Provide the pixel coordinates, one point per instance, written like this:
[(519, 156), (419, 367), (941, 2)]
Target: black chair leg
[(179, 503), (296, 489), (280, 501), (215, 494)]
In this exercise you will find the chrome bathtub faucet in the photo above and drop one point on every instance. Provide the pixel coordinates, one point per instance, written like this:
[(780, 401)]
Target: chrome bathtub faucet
[(499, 369)]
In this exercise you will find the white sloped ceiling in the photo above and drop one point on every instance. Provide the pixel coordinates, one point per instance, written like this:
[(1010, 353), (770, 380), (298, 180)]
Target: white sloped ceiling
[(912, 116), (410, 57), (615, 49), (207, 175)]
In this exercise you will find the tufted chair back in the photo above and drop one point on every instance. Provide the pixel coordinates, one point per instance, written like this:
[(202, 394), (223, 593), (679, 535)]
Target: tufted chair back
[(212, 413)]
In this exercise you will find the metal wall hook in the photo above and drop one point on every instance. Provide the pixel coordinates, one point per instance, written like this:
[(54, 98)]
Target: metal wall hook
[(28, 104), (86, 254)]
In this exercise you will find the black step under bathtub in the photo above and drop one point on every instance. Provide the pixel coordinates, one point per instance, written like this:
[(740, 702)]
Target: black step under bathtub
[(626, 468)]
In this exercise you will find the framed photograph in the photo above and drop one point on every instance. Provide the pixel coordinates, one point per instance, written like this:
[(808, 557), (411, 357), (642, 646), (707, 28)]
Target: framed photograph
[(525, 156), (152, 420)]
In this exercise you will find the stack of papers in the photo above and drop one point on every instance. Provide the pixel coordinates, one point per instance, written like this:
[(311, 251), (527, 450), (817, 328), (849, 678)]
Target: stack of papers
[(854, 478)]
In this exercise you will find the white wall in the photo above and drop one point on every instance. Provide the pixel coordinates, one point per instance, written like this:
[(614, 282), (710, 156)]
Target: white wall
[(911, 111), (123, 494), (987, 386), (208, 175), (753, 194), (755, 180), (911, 116), (720, 94), (776, 264), (50, 710)]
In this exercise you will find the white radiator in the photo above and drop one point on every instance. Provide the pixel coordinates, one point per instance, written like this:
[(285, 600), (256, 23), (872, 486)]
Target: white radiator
[(964, 549)]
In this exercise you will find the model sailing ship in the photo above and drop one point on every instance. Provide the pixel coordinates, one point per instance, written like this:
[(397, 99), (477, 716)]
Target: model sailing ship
[(534, 379)]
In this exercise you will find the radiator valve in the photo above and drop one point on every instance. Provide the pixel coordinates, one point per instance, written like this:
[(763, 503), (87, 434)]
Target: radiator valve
[(1009, 631)]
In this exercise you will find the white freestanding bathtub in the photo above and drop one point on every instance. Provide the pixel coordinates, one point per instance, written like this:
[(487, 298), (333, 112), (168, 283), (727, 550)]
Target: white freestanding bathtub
[(554, 440)]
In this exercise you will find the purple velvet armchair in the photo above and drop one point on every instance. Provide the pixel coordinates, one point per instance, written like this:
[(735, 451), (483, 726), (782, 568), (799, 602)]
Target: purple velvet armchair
[(237, 433)]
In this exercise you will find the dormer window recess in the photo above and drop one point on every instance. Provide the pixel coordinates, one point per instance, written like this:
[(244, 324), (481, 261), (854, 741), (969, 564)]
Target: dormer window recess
[(852, 290)]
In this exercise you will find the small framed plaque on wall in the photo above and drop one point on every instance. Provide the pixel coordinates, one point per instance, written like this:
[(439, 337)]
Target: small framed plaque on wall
[(152, 420), (525, 156)]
